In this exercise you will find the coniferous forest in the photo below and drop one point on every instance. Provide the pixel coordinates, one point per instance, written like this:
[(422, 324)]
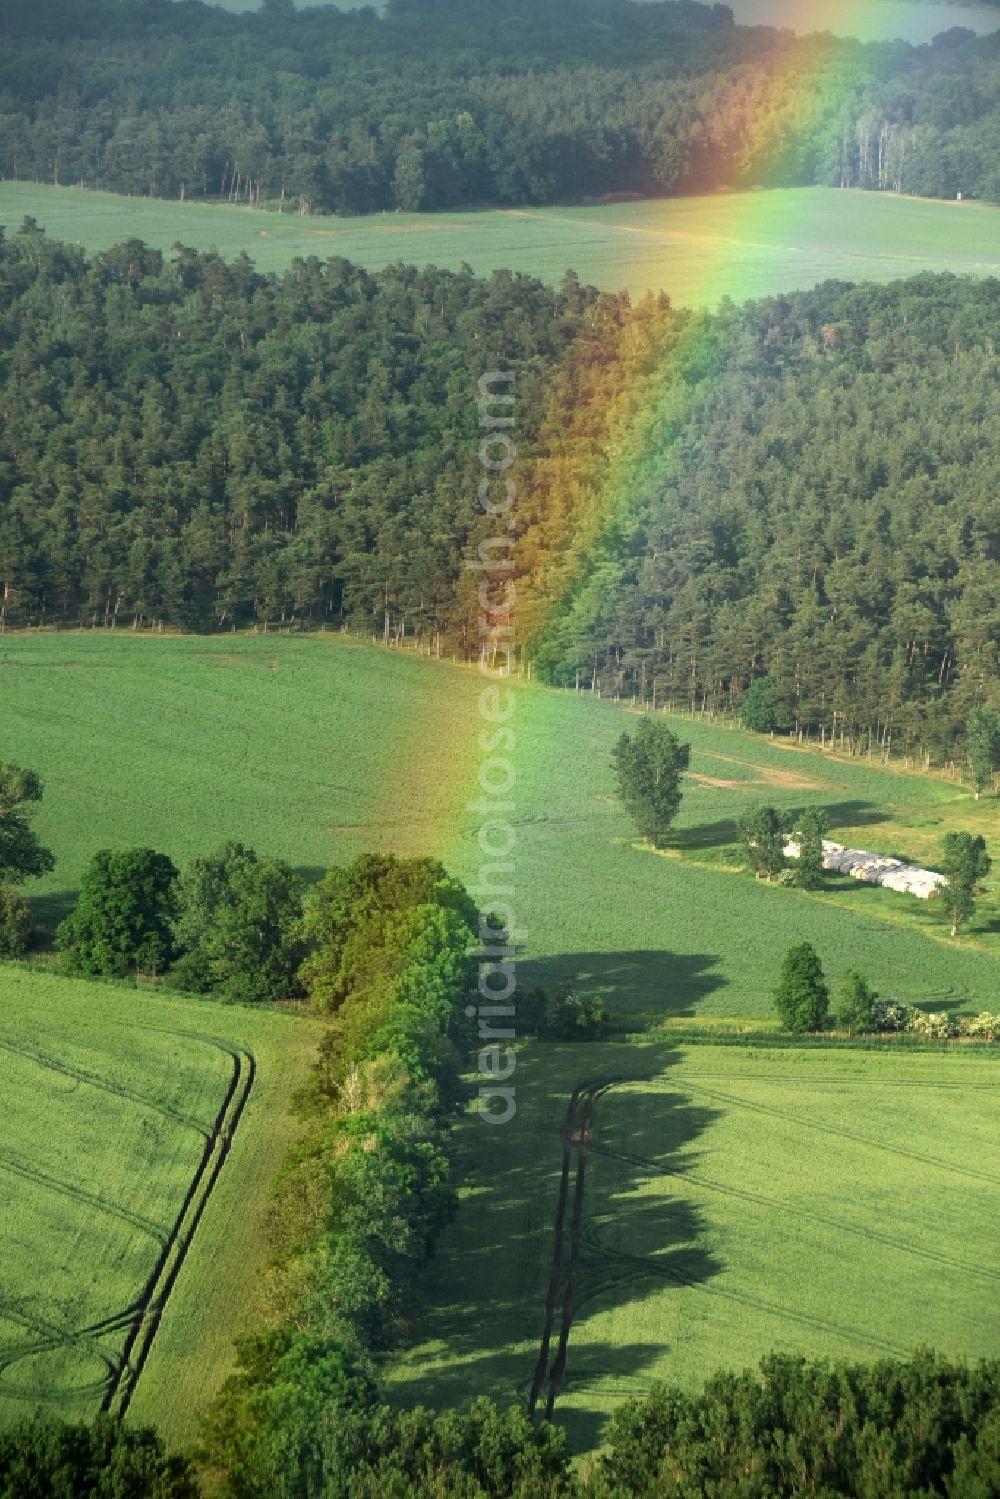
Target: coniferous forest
[(195, 445), (515, 102)]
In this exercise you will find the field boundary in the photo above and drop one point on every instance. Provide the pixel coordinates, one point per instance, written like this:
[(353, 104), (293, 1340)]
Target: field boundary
[(153, 1301)]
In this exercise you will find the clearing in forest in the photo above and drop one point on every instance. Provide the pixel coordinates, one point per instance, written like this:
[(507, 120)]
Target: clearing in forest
[(697, 249)]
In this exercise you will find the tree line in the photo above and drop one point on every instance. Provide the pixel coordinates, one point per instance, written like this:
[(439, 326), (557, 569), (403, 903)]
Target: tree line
[(805, 1005), (798, 489), (448, 105), (918, 1428)]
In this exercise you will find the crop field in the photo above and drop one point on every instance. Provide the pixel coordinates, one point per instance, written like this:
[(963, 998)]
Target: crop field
[(699, 249), (654, 1212), (141, 1134), (318, 748)]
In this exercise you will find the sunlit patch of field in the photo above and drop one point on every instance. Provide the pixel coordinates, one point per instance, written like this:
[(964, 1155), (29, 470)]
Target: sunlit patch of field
[(316, 748)]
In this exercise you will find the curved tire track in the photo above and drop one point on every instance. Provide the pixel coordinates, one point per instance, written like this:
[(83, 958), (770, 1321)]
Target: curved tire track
[(92, 1080), (16, 1167), (142, 1318), (164, 1277)]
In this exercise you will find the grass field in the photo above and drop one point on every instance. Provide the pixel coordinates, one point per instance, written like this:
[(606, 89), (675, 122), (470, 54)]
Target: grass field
[(698, 250), (837, 1203), (317, 748), (141, 1134)]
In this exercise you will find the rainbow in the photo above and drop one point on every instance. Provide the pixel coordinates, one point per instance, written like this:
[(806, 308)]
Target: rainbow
[(613, 411)]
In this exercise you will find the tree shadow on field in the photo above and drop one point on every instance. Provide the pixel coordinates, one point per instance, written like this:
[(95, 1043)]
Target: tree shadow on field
[(47, 911), (706, 835), (607, 1295), (649, 981)]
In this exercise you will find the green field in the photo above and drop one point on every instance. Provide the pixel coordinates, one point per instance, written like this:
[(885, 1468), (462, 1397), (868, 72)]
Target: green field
[(141, 1135), (698, 250), (835, 1202), (317, 748)]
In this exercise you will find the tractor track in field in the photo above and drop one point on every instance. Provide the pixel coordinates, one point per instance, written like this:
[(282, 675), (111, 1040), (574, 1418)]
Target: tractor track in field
[(142, 1318), (145, 1323), (565, 1268), (54, 1337), (16, 1167), (104, 1085), (844, 1134), (643, 1265), (562, 1296), (804, 1215), (807, 1080)]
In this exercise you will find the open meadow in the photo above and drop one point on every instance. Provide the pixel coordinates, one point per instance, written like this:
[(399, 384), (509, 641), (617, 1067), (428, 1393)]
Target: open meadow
[(319, 748), (141, 1134), (698, 250), (653, 1212)]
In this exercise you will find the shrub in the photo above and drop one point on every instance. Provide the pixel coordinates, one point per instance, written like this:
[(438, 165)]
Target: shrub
[(933, 1026), (564, 1015), (889, 1015), (984, 1027), (15, 924)]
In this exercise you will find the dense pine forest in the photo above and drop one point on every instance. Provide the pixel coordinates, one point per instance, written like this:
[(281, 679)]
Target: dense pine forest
[(705, 500), (514, 103), (807, 492)]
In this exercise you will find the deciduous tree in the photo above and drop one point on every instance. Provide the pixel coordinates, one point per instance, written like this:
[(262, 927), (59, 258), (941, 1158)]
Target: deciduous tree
[(802, 998), (649, 765), (759, 708), (22, 857), (237, 926), (856, 1001), (966, 864), (764, 831), (15, 923), (121, 924), (810, 829), (982, 745)]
